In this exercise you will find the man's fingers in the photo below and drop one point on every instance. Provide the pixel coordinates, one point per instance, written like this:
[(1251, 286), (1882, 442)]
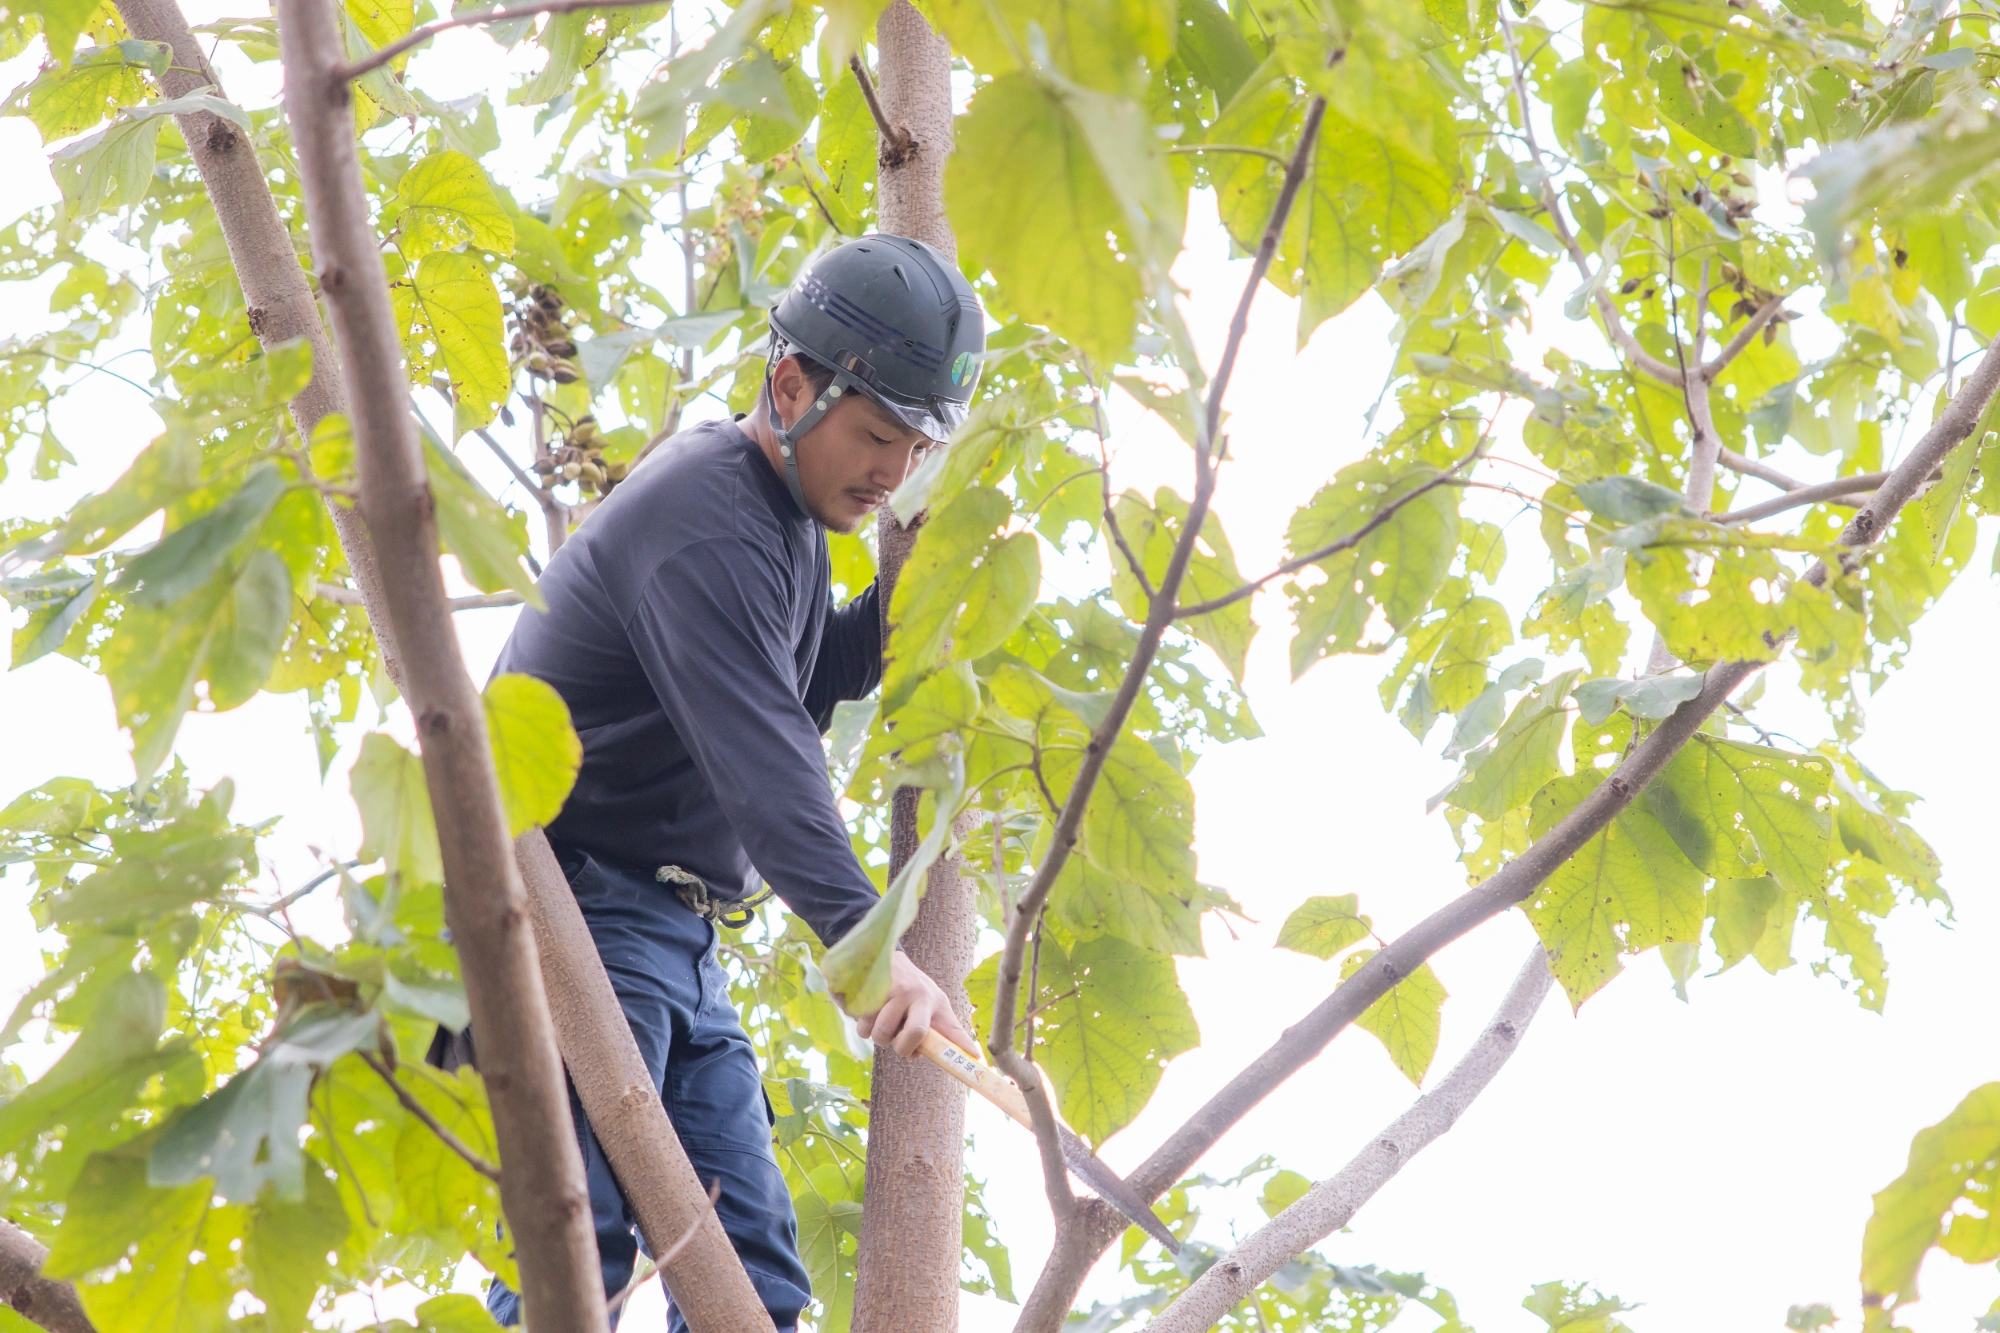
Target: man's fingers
[(916, 1026), (888, 1020), (946, 1024)]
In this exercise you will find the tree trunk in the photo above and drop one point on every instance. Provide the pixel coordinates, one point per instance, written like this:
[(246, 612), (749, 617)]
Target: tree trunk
[(913, 1208), (601, 1055), (52, 1305), (541, 1176)]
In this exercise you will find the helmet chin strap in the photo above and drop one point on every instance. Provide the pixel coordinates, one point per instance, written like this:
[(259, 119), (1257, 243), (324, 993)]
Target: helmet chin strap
[(789, 436)]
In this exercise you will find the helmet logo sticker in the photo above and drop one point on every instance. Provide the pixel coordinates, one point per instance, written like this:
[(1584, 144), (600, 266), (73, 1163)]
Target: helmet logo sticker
[(961, 369)]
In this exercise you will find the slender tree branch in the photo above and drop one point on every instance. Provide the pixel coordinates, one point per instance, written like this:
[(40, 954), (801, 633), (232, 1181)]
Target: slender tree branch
[(1614, 323), (51, 1304), (1750, 467), (1347, 543), (1097, 1226), (673, 1251), (1332, 1203), (395, 49), (1160, 615), (430, 1122), (1831, 491), (896, 143), (339, 596), (1762, 316)]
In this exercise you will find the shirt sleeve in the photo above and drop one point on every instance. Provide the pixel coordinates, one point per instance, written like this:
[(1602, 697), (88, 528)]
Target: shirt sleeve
[(711, 631), (849, 664)]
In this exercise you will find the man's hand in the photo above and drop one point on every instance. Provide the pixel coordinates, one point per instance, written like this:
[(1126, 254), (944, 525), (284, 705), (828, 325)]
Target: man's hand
[(915, 1006)]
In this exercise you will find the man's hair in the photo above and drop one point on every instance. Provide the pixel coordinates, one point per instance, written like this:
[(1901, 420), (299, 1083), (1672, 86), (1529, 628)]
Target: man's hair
[(818, 374)]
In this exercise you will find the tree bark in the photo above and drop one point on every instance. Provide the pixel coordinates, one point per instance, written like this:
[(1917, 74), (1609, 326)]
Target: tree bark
[(50, 1304), (642, 1146), (1333, 1202), (913, 1212), (541, 1179), (703, 1275)]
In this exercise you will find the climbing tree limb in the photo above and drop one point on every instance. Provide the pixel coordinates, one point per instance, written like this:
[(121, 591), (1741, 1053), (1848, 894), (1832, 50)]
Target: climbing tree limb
[(1332, 1203), (50, 1304), (1095, 1227), (541, 1171)]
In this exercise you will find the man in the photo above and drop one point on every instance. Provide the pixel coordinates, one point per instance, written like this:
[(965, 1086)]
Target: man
[(691, 630)]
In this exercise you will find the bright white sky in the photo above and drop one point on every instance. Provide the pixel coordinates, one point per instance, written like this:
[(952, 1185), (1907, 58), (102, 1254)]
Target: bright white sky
[(1712, 1161)]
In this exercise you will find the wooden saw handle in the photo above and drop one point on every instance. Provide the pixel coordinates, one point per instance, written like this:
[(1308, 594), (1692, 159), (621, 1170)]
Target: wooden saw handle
[(983, 1079)]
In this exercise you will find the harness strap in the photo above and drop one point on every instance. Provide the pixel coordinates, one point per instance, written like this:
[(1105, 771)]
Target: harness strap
[(695, 894)]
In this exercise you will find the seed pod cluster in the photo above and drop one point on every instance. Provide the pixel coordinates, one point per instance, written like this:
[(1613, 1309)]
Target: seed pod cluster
[(579, 457), (541, 336)]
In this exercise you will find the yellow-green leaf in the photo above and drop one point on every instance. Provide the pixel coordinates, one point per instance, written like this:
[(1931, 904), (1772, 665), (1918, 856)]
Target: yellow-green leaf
[(1323, 926), (396, 824), (1406, 1020), (448, 202), (488, 541), (536, 752), (451, 320)]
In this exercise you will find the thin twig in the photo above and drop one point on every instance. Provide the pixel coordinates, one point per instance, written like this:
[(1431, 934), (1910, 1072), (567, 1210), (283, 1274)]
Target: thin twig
[(1833, 490), (673, 1251), (1111, 523), (369, 64), (311, 884), (1734, 349), (1750, 467), (1614, 324), (897, 145), (339, 596), (1160, 615), (417, 1109)]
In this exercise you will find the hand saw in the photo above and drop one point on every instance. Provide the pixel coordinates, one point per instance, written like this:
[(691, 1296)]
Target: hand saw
[(997, 1088)]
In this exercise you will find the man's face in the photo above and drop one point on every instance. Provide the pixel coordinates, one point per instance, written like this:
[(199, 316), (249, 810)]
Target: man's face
[(853, 458)]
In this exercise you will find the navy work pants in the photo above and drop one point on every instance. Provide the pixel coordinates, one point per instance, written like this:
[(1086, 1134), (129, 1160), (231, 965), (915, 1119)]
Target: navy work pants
[(661, 957)]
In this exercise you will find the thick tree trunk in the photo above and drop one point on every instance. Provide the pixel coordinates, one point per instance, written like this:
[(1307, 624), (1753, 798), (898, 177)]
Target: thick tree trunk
[(601, 1055), (52, 1305), (541, 1177), (913, 1211)]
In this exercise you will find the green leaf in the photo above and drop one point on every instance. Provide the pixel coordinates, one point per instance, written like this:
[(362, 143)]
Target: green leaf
[(447, 202), (396, 824), (1622, 500), (450, 315), (164, 471), (536, 752), (63, 21), (62, 102), (488, 541), (57, 599), (117, 1051), (1138, 824), (965, 583), (1940, 505), (1753, 919), (1943, 1199), (1117, 1016), (110, 169), (1213, 48), (1652, 697), (1689, 97), (1414, 549), (1729, 806), (1627, 890), (1152, 532), (248, 630), (455, 1313), (1406, 1020), (1524, 228), (1323, 926), (1366, 198), (568, 40), (188, 557), (1044, 236), (1524, 756)]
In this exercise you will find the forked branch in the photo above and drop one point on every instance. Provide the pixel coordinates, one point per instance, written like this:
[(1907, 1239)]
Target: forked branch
[(897, 146), (1513, 883), (429, 1121), (1333, 1202)]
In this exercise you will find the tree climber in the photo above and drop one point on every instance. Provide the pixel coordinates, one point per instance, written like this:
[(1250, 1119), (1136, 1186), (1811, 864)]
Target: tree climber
[(691, 629)]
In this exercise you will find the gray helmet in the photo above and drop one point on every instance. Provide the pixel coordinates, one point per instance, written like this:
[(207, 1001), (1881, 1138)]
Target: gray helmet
[(895, 320)]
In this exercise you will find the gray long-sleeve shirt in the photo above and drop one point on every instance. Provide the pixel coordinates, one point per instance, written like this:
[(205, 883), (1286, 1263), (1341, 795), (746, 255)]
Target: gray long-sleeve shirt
[(691, 629)]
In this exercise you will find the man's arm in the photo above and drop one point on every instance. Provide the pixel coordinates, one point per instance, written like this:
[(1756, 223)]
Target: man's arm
[(712, 633), (849, 664)]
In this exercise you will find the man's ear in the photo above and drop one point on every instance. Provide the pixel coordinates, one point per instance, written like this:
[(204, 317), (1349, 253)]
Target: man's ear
[(789, 388)]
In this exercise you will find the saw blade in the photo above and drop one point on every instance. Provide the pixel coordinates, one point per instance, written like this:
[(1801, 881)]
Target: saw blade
[(1087, 1167)]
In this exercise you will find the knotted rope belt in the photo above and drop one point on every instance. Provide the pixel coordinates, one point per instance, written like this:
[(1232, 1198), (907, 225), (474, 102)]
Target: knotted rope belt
[(705, 903)]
